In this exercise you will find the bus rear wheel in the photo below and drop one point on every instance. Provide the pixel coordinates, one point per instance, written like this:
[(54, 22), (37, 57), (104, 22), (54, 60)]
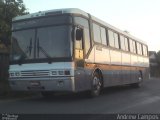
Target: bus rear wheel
[(96, 85), (139, 83)]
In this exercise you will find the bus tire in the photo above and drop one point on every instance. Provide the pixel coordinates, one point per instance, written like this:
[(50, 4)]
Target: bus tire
[(139, 83), (47, 94), (96, 85)]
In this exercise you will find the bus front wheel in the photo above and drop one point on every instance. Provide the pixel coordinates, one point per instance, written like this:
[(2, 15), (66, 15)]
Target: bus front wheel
[(96, 85)]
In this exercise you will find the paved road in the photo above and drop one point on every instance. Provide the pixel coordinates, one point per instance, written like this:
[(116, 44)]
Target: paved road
[(113, 100)]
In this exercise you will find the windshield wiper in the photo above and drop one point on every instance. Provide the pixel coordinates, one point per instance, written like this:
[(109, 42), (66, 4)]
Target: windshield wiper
[(30, 47), (21, 58), (23, 55), (43, 51)]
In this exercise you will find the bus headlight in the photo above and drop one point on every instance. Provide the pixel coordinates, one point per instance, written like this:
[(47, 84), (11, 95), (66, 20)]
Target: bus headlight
[(11, 74), (64, 72), (60, 72), (14, 74), (17, 74), (54, 72), (67, 72)]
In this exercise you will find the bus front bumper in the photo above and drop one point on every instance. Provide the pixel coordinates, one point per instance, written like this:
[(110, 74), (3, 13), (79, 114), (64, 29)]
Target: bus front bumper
[(58, 84)]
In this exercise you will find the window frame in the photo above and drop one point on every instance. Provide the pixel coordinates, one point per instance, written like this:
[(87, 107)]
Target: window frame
[(114, 40), (106, 41), (95, 33), (84, 24), (128, 41)]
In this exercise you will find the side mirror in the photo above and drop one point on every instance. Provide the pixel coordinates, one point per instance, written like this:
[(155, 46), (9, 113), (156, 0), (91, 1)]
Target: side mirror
[(79, 34)]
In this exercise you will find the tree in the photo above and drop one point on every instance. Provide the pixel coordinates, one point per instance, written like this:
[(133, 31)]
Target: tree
[(8, 10)]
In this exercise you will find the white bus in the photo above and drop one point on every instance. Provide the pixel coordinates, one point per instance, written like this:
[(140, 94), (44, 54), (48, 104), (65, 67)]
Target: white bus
[(69, 50)]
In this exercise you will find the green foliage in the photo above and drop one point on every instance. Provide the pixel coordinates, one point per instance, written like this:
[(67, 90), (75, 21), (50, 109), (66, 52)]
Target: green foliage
[(8, 10)]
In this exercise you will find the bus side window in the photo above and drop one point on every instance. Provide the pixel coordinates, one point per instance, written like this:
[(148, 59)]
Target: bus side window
[(103, 36), (87, 43), (96, 33), (126, 44), (144, 50), (99, 34), (141, 52), (130, 45), (139, 48), (134, 47), (116, 41), (111, 38), (122, 42)]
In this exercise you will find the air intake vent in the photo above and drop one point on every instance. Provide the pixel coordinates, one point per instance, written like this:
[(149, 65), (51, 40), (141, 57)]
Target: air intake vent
[(37, 73)]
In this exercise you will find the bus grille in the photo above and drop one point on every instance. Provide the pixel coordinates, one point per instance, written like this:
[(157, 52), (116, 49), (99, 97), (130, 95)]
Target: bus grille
[(37, 73)]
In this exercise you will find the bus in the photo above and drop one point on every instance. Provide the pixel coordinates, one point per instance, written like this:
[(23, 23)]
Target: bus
[(69, 50)]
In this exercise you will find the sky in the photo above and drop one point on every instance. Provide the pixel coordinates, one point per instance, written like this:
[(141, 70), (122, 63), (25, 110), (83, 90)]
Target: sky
[(141, 18)]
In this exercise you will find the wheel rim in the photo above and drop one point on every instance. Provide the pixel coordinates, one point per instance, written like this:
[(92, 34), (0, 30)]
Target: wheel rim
[(96, 85), (140, 78)]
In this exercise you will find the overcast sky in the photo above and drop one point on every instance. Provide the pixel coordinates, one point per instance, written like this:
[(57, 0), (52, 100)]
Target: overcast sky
[(140, 17)]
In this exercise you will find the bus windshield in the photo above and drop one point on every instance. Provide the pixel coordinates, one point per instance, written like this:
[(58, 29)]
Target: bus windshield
[(41, 43)]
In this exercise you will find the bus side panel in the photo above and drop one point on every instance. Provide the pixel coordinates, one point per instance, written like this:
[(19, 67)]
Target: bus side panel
[(126, 69), (102, 55), (140, 61), (134, 68), (83, 75), (116, 62), (146, 71), (102, 59), (82, 79)]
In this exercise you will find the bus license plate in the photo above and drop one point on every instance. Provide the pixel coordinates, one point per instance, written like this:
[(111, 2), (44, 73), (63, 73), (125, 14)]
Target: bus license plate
[(35, 83)]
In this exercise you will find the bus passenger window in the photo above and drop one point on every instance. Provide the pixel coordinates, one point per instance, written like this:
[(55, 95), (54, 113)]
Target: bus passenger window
[(96, 32), (111, 38), (145, 50), (130, 45), (139, 48), (134, 47), (103, 36), (116, 41), (126, 44), (122, 42), (86, 40)]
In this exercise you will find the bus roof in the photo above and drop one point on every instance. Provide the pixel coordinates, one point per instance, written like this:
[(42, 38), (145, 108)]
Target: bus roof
[(74, 11), (52, 12)]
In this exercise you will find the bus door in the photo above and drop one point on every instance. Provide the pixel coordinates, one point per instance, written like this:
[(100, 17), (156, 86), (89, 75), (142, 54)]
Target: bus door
[(79, 47), (79, 59)]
